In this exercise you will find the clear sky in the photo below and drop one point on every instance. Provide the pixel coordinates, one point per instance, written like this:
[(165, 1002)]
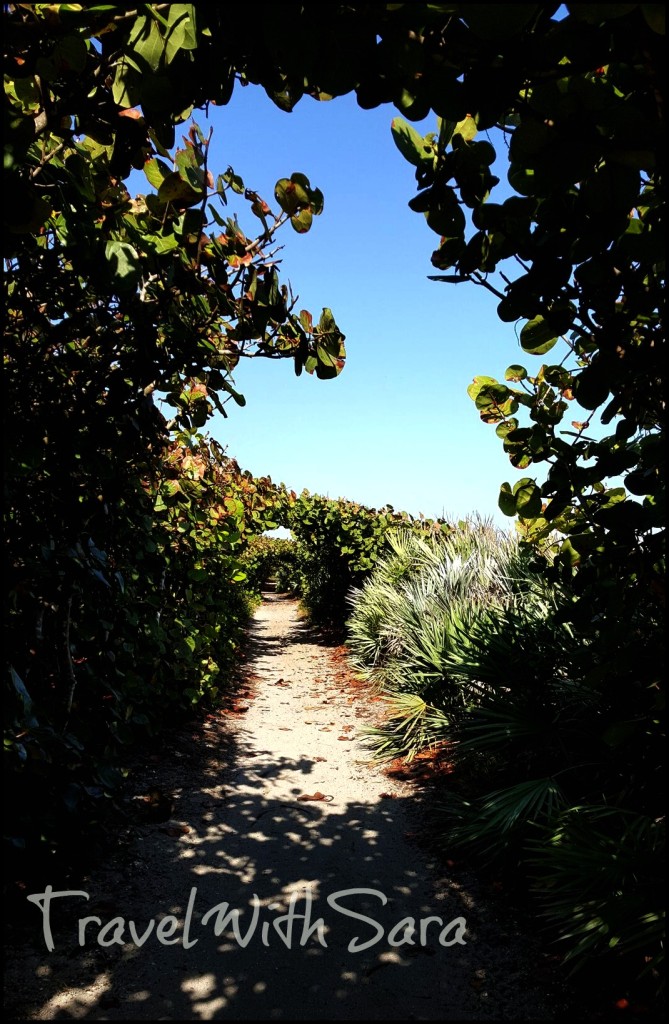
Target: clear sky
[(397, 426)]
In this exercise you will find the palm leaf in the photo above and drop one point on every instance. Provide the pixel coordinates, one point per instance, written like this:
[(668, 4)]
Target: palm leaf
[(599, 871), (411, 727)]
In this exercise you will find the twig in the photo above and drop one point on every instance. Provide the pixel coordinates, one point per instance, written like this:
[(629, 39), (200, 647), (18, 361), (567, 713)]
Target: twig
[(70, 663), (479, 279), (205, 197), (45, 159)]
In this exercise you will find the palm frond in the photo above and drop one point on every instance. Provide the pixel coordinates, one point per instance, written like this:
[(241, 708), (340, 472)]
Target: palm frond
[(492, 823), (599, 874), (411, 726), (501, 722)]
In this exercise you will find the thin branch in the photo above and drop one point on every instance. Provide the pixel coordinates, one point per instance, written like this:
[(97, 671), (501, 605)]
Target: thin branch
[(45, 159), (205, 197), (69, 662), (267, 233), (479, 279)]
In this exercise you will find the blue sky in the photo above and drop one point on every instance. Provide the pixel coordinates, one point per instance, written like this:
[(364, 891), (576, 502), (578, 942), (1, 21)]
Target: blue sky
[(397, 426)]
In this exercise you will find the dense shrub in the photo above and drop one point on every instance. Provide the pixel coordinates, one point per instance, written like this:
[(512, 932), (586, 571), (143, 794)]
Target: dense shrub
[(286, 567), (555, 770), (118, 631), (338, 544), (270, 559)]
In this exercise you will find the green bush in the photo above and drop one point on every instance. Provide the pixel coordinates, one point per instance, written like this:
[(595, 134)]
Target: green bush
[(118, 629), (338, 544), (286, 567), (555, 767)]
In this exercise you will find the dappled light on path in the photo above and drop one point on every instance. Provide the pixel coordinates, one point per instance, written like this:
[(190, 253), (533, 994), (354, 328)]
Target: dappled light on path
[(251, 849)]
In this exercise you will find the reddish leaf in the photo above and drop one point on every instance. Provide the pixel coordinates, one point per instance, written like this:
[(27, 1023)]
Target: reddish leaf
[(176, 830)]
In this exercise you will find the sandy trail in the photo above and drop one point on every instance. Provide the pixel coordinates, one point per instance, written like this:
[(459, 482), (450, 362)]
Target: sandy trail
[(254, 845)]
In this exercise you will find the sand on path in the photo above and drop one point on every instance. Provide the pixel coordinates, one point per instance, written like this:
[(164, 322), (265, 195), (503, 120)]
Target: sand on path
[(253, 851)]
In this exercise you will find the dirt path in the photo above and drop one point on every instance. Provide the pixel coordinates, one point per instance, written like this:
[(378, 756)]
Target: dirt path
[(254, 845)]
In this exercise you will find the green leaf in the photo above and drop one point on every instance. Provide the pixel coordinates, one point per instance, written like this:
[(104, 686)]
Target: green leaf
[(507, 500), (537, 336), (236, 396), (655, 15), (447, 255), (215, 215), (156, 171), (445, 216), (410, 144), (317, 201), (146, 42), (70, 53), (466, 128), (506, 427), (417, 107), (302, 221), (234, 181), (495, 401), (515, 372), (302, 182), (286, 197), (125, 90), (598, 13), (499, 22), (186, 646), (24, 697), (125, 264), (160, 243), (180, 33), (528, 498), (446, 129), (478, 383), (327, 321), (175, 190)]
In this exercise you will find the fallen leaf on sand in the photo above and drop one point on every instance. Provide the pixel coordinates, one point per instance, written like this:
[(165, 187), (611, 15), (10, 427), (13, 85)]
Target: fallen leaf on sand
[(314, 796), (154, 806), (176, 830)]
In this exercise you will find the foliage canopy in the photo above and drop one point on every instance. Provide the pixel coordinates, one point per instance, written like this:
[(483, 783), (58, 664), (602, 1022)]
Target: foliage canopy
[(115, 514), (575, 254)]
